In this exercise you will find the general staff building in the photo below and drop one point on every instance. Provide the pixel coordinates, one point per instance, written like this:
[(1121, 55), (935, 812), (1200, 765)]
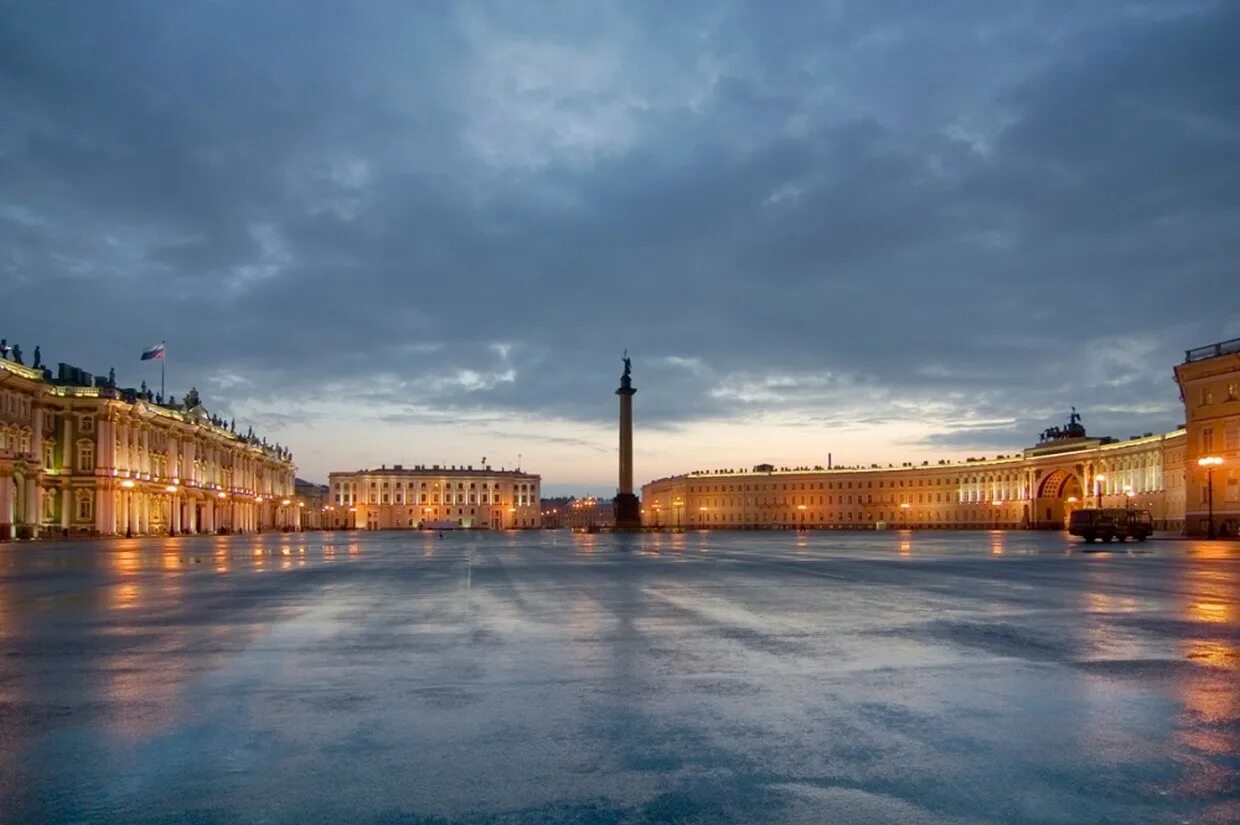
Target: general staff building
[(1036, 488)]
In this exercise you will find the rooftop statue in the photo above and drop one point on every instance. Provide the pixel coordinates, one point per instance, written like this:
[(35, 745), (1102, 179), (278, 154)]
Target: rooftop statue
[(1074, 429), (38, 358), (17, 355)]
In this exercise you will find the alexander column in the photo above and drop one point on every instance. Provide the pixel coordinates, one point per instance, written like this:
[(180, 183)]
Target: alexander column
[(628, 510)]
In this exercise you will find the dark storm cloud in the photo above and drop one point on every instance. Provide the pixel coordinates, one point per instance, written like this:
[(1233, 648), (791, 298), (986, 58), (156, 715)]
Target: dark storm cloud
[(962, 211)]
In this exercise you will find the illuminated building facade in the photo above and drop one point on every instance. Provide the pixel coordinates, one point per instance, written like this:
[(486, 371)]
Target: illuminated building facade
[(1209, 382), (82, 457), (392, 498), (1037, 488), (1189, 479)]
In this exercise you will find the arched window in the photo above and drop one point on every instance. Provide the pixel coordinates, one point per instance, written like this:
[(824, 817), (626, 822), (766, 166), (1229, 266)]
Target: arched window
[(85, 505), (85, 456)]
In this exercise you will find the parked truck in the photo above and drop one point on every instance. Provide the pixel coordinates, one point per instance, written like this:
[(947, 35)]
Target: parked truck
[(1111, 523)]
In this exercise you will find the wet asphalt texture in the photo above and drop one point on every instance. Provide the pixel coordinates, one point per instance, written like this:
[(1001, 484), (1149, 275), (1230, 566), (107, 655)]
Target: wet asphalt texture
[(541, 677)]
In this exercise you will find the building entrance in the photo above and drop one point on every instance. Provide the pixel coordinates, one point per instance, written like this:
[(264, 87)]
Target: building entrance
[(1059, 494)]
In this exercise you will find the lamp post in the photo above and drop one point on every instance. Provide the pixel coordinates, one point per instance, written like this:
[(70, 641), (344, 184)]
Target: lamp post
[(1210, 462), (801, 507), (998, 508), (1098, 479), (702, 517), (678, 504), (904, 508)]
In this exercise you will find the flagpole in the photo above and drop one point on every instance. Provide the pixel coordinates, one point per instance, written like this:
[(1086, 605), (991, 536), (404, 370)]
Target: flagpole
[(163, 359)]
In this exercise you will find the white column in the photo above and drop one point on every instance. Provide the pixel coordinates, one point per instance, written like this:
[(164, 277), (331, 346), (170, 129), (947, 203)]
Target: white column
[(34, 498), (66, 503), (36, 434), (6, 507), (103, 428), (146, 450), (101, 512), (66, 449), (170, 456)]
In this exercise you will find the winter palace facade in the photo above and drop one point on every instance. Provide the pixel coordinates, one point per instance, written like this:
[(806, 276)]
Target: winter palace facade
[(79, 456)]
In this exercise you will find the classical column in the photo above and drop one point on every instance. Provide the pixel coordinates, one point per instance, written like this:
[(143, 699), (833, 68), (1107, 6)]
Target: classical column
[(34, 500), (66, 449), (146, 450), (65, 511), (170, 456), (101, 511), (627, 508), (36, 433), (103, 445), (6, 507)]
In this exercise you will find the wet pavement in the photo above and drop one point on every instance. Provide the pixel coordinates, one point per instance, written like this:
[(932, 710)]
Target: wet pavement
[(552, 677)]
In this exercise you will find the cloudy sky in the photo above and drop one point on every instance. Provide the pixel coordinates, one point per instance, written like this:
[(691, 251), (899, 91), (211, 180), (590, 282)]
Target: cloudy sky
[(424, 233)]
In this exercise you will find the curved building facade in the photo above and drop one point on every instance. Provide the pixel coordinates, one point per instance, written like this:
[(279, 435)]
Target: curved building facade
[(1037, 488)]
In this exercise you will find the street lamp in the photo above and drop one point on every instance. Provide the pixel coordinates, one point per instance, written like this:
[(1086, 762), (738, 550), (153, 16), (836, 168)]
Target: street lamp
[(678, 504), (702, 522), (904, 508), (998, 505), (1210, 462), (1098, 479), (801, 507)]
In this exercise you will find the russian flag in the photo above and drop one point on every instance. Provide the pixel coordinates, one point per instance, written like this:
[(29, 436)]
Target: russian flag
[(155, 353)]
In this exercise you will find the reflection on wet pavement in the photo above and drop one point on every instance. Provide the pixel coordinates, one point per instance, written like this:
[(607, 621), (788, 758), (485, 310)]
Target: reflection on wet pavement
[(547, 677)]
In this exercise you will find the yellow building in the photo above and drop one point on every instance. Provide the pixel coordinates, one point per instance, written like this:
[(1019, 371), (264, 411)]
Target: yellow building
[(410, 498), (1037, 488), (82, 457), (1209, 382), (1174, 475)]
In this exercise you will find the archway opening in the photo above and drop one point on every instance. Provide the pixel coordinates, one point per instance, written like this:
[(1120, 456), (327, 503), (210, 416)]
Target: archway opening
[(1059, 494)]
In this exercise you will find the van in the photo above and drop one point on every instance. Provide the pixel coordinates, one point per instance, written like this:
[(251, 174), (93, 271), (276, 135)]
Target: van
[(1111, 523)]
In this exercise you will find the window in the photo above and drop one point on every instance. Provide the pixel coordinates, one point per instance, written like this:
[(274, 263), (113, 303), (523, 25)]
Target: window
[(1207, 396), (88, 423), (1233, 391), (84, 505), (1231, 437), (86, 457), (1207, 439)]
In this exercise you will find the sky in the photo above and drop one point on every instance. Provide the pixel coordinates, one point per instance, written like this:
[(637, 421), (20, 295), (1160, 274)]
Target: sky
[(391, 232)]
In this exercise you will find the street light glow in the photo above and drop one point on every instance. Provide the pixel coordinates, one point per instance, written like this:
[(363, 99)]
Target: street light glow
[(1210, 461)]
